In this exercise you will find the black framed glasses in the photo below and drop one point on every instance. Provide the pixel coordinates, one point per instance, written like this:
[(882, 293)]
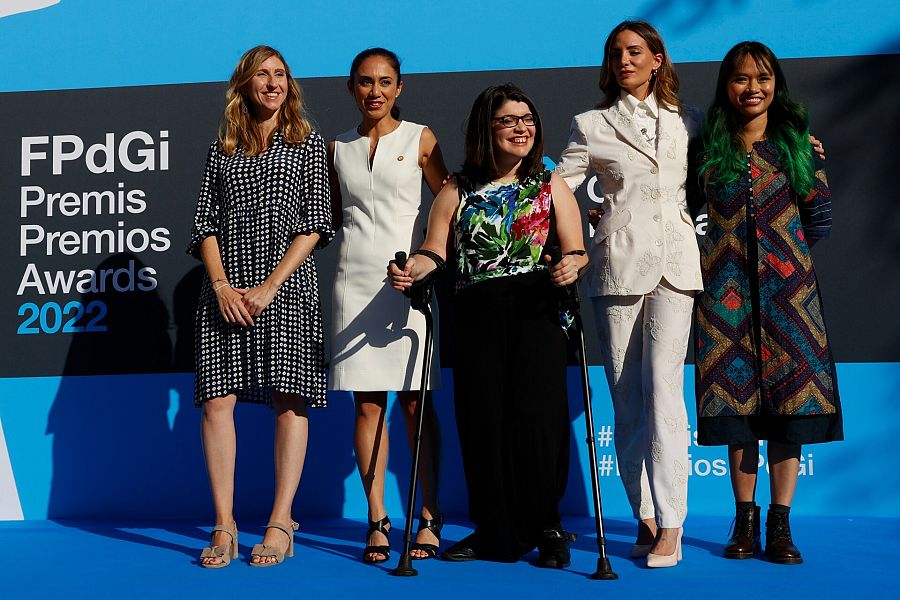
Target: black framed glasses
[(509, 121)]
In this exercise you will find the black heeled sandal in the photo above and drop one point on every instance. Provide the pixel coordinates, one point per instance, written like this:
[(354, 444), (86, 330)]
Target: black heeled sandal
[(553, 548), (430, 550), (383, 526)]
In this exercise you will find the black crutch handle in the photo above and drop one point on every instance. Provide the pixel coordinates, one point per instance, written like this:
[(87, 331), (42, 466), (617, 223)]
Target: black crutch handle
[(419, 293), (555, 253)]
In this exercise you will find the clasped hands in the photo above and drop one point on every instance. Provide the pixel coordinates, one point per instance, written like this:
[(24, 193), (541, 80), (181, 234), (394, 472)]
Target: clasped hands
[(239, 305)]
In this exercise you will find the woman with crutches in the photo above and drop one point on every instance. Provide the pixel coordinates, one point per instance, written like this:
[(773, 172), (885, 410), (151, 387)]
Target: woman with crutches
[(376, 172), (498, 214)]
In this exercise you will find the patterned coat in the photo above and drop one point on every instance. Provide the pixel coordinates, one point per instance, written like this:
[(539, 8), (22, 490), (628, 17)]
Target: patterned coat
[(761, 346)]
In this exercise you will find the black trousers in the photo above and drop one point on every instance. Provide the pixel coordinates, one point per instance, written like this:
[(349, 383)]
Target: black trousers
[(511, 410)]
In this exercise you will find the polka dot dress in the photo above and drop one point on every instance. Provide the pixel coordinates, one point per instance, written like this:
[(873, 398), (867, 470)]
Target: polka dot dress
[(255, 206)]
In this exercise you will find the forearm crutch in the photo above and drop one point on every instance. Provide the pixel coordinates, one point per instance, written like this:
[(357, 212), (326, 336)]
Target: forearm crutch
[(420, 299), (569, 301)]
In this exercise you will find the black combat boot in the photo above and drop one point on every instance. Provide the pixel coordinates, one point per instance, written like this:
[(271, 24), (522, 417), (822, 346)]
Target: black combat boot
[(744, 541), (780, 547)]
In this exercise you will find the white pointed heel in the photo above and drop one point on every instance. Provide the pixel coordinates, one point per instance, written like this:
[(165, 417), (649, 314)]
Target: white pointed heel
[(666, 560)]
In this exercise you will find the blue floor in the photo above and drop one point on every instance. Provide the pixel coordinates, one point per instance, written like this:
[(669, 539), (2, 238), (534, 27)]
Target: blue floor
[(90, 559)]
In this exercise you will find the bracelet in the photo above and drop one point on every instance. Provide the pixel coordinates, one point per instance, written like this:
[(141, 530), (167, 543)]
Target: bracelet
[(576, 253), (219, 287), (218, 280), (435, 257)]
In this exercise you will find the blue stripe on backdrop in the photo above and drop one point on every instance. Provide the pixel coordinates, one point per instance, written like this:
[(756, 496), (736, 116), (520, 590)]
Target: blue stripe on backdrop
[(127, 447), (108, 43)]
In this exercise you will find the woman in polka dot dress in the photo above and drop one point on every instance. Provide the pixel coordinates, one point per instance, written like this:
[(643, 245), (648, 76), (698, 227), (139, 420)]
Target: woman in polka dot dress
[(263, 207)]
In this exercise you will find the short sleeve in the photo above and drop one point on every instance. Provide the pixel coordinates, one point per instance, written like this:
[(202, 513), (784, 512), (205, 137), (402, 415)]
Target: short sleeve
[(573, 162), (207, 217), (815, 208), (315, 209)]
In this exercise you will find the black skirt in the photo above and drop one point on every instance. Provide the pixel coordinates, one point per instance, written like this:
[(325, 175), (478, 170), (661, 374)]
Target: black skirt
[(793, 429)]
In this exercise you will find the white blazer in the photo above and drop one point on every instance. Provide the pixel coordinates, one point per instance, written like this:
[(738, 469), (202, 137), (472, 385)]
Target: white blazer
[(646, 232)]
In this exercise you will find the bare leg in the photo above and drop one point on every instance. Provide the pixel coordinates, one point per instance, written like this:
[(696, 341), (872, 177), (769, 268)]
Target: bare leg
[(291, 436), (744, 465), (429, 460), (219, 448), (370, 440), (784, 469), (666, 539)]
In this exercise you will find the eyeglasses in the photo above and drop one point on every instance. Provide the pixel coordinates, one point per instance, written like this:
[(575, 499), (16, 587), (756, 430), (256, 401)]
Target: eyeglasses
[(509, 121)]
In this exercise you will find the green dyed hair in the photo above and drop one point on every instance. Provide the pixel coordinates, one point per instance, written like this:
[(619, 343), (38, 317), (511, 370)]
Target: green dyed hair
[(787, 128)]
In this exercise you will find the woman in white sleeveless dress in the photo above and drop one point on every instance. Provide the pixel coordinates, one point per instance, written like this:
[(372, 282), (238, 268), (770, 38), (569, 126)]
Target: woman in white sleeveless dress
[(376, 172)]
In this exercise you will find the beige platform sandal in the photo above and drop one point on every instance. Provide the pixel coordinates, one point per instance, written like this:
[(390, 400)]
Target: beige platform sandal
[(265, 551), (224, 552)]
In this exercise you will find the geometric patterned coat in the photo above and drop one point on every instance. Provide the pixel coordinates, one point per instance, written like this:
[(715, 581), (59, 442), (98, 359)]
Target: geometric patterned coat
[(761, 346)]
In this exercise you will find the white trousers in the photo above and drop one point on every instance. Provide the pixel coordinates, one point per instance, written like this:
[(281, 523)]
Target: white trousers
[(644, 342)]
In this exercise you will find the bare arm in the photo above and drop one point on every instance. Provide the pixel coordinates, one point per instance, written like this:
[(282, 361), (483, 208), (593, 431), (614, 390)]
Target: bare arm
[(230, 299), (256, 299), (568, 229), (437, 240), (431, 159)]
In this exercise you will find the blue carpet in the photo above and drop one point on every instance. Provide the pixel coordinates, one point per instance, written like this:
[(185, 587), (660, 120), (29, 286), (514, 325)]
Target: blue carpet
[(92, 559)]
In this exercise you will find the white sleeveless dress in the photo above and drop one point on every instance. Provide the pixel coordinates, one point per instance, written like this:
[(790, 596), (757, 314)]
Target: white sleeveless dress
[(376, 337)]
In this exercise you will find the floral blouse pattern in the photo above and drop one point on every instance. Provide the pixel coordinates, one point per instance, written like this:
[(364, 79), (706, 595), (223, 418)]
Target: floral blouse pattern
[(501, 228)]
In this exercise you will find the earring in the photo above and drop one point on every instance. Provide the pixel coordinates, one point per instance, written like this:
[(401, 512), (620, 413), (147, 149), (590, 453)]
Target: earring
[(243, 106), (653, 74)]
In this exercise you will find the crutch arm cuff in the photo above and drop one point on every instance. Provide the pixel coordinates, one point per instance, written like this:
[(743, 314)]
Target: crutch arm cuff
[(439, 262)]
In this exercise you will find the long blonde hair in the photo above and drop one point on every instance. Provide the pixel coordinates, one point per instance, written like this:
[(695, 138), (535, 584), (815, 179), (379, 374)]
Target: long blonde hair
[(237, 128)]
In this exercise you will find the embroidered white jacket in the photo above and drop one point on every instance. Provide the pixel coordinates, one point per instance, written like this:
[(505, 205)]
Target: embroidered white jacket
[(646, 232)]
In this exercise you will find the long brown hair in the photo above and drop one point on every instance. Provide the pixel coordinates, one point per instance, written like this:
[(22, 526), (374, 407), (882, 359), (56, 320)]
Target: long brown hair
[(237, 128), (480, 165), (664, 84)]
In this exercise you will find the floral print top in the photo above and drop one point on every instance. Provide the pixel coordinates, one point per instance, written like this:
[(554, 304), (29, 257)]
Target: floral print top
[(501, 228)]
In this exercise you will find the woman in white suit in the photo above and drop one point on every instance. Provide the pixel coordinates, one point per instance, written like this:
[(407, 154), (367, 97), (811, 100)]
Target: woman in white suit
[(644, 272)]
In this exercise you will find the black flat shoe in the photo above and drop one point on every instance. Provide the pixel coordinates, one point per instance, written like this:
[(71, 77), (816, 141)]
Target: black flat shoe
[(430, 550), (553, 548), (382, 526), (461, 551)]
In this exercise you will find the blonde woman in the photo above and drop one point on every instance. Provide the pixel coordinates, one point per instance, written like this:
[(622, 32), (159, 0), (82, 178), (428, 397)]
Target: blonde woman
[(263, 207)]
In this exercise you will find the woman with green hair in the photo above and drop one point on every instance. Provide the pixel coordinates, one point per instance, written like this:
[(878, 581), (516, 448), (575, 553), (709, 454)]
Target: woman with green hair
[(764, 365)]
